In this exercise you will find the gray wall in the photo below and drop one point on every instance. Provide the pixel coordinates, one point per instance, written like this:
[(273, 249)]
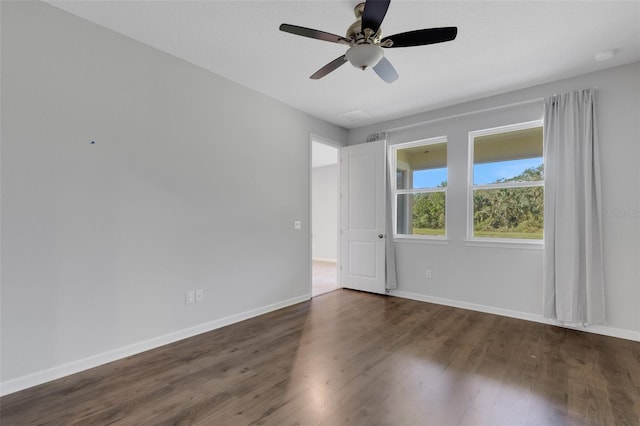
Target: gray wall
[(194, 182), (324, 200), (508, 280)]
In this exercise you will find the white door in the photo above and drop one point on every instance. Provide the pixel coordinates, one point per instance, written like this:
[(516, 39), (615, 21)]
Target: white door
[(363, 222)]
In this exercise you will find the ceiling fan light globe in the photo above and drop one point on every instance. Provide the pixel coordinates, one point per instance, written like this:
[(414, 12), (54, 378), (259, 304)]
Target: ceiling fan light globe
[(364, 56)]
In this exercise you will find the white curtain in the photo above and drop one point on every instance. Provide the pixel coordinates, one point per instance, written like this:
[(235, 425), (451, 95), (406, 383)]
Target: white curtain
[(390, 253), (573, 271)]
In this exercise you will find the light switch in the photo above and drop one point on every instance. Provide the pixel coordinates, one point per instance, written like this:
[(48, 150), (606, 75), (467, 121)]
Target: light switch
[(297, 225)]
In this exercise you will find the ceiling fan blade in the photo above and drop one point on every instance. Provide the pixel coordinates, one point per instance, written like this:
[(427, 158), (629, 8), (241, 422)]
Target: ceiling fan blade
[(311, 33), (331, 66), (422, 37), (373, 14), (386, 71)]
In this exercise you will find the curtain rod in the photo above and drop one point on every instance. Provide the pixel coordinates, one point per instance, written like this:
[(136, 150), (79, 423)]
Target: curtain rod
[(462, 114)]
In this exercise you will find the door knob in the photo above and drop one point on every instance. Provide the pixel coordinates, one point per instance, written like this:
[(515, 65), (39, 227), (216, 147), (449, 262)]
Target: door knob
[(380, 236)]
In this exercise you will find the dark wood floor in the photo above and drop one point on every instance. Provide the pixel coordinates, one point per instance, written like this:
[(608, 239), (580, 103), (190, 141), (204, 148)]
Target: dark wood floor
[(355, 358)]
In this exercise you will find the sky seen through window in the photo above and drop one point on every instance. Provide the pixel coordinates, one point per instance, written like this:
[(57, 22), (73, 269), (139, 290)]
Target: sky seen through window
[(482, 173)]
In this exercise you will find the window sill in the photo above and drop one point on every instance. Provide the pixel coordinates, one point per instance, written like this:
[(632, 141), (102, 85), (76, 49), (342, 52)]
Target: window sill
[(505, 243), (421, 240)]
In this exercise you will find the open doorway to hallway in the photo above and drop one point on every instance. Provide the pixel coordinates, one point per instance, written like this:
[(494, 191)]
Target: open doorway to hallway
[(324, 217), (325, 277)]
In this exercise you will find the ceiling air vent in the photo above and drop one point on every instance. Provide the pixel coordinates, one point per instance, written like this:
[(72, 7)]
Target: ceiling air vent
[(355, 115)]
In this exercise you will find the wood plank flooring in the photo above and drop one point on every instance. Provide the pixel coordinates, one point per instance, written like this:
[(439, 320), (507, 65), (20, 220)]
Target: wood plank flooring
[(350, 358)]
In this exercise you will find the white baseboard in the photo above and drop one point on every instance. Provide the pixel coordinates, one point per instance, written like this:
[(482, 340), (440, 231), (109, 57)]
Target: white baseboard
[(324, 259), (73, 367), (597, 329)]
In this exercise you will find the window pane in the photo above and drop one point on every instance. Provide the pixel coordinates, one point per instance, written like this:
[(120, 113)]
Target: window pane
[(508, 213), (530, 169), (401, 179), (430, 178), (513, 156), (421, 214), (421, 167)]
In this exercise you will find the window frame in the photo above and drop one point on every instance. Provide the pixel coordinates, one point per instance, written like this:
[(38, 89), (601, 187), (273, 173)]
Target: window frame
[(393, 158), (489, 241)]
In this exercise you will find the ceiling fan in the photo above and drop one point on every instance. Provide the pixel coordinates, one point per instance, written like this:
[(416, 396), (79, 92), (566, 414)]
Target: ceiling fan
[(364, 38)]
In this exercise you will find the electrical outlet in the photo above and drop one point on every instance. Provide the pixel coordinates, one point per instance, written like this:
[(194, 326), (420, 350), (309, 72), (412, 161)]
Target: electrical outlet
[(190, 297), (427, 274), (199, 295)]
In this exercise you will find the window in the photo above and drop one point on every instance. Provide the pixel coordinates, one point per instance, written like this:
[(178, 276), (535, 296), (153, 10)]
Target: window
[(420, 188), (506, 183)]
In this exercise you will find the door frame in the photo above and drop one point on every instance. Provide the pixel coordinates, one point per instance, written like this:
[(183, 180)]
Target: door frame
[(321, 139)]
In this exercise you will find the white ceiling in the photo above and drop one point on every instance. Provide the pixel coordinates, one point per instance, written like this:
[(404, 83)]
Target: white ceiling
[(501, 46)]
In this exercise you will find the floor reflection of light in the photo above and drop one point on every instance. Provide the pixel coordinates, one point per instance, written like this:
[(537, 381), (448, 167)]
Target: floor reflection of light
[(387, 385), (310, 383)]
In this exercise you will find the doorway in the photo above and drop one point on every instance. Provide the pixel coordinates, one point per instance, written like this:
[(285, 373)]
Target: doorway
[(325, 197)]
